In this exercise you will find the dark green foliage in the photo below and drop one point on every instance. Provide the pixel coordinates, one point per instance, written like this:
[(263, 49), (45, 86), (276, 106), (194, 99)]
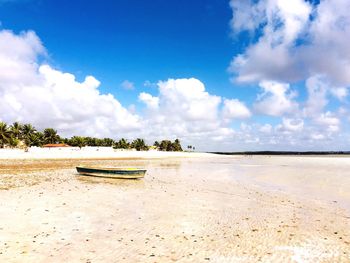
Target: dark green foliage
[(13, 142), (13, 135), (107, 142), (51, 136), (177, 146), (5, 134), (122, 144), (139, 145), (169, 146), (34, 139), (90, 141), (27, 130), (165, 145), (16, 130), (77, 141)]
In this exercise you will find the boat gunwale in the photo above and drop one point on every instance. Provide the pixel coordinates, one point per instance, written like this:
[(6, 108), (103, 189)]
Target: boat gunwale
[(122, 169)]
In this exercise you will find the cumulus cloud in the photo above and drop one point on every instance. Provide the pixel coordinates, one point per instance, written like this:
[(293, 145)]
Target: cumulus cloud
[(280, 24), (328, 121), (235, 109), (317, 96), (188, 99), (183, 108), (36, 92), (266, 128), (276, 99), (149, 100), (46, 97), (291, 125), (340, 93), (295, 40)]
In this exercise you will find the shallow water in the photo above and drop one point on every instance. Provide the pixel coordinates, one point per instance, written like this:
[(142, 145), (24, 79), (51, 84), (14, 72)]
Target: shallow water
[(222, 209), (322, 178)]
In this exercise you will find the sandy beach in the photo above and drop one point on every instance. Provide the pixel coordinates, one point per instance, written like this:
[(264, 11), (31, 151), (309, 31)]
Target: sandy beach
[(90, 153), (198, 208)]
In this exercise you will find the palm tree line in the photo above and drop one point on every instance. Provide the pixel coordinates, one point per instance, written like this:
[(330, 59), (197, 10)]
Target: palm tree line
[(26, 135)]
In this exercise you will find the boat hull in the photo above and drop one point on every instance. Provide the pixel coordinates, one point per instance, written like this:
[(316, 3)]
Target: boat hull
[(117, 173)]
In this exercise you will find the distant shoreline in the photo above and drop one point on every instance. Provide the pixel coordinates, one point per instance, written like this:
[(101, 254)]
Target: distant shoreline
[(284, 153)]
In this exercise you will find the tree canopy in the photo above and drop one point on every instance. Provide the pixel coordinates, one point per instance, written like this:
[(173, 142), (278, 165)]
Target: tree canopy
[(26, 134)]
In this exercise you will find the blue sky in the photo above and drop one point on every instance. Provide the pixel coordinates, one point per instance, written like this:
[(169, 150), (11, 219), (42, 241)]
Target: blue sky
[(244, 75), (133, 40)]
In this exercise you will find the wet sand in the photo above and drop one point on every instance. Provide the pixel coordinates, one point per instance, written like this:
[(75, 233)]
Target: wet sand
[(224, 209)]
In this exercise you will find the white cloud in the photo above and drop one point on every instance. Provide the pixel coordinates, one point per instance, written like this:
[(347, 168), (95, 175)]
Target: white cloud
[(50, 98), (128, 85), (235, 109), (291, 125), (18, 58), (329, 121), (299, 42), (291, 46), (282, 22), (187, 98), (184, 110), (340, 93), (37, 93), (246, 15), (317, 136), (317, 96), (266, 128), (149, 100), (276, 99), (46, 97)]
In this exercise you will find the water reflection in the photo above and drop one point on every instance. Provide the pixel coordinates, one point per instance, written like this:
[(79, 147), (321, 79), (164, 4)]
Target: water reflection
[(111, 181)]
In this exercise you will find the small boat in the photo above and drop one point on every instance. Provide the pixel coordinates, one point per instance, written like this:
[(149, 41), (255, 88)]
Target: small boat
[(120, 173)]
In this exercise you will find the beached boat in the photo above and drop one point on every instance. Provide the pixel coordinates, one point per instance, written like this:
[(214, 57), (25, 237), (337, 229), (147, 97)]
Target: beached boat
[(120, 173)]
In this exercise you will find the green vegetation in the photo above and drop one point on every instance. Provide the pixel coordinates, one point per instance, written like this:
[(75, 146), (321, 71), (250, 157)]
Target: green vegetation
[(26, 135), (51, 136), (5, 134), (169, 146)]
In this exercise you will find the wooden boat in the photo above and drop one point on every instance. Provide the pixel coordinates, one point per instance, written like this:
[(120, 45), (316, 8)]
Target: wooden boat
[(120, 173)]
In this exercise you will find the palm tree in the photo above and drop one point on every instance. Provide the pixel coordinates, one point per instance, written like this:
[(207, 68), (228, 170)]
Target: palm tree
[(165, 145), (13, 142), (107, 142), (90, 141), (34, 139), (27, 130), (77, 141), (122, 144), (16, 130), (139, 145), (5, 134), (177, 146), (51, 136)]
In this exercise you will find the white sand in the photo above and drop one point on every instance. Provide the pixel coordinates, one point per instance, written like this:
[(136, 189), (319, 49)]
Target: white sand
[(223, 209), (90, 153)]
